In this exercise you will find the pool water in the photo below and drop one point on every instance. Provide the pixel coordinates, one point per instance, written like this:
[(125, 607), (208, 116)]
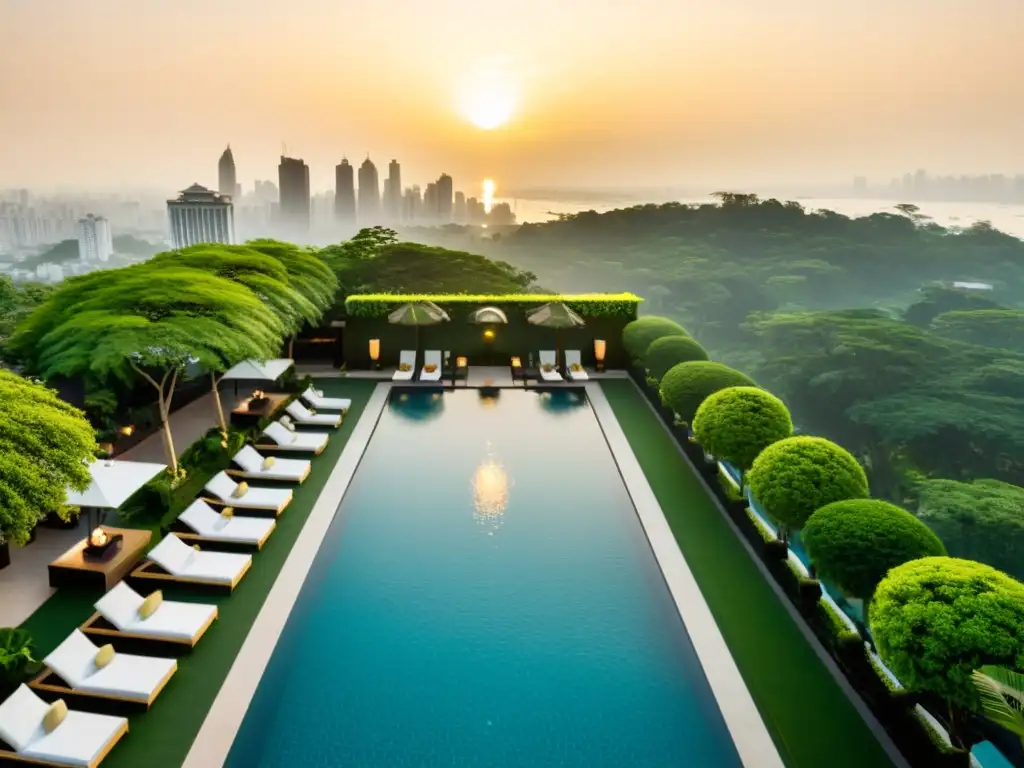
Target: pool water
[(485, 596)]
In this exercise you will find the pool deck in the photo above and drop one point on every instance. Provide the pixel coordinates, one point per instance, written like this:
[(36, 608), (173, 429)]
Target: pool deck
[(749, 733), (213, 743)]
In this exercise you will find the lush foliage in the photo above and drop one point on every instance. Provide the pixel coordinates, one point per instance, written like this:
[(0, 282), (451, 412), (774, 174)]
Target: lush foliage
[(687, 385), (736, 424), (585, 305), (799, 475), (938, 619), (638, 335), (982, 520), (17, 300), (44, 446), (1002, 697), (667, 352), (854, 543), (17, 655)]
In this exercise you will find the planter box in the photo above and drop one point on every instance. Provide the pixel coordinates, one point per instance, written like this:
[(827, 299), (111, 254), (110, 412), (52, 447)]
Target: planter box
[(5, 555)]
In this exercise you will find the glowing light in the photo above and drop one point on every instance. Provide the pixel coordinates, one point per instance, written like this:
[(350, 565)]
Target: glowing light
[(488, 195), (489, 97), (490, 486), (489, 334)]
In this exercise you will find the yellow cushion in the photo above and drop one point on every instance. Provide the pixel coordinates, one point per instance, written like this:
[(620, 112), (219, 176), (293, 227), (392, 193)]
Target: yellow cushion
[(240, 490), (404, 367), (227, 512), (312, 411), (150, 604), (288, 425), (577, 367), (548, 367), (269, 462), (430, 368), (196, 548), (55, 714), (104, 656)]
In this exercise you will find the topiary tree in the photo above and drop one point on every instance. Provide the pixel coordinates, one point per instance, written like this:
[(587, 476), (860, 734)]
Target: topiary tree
[(938, 619), (638, 335), (687, 385), (737, 423), (44, 446), (799, 475), (854, 543), (667, 352)]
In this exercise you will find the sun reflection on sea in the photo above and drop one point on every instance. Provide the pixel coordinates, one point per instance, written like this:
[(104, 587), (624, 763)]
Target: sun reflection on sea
[(490, 486)]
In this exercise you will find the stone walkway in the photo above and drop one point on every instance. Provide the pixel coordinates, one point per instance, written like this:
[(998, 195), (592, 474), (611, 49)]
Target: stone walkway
[(188, 424)]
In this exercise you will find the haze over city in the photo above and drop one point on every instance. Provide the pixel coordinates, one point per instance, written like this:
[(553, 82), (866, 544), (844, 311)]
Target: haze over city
[(116, 94)]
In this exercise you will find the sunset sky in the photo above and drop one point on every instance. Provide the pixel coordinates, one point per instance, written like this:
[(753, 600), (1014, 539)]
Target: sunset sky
[(608, 93)]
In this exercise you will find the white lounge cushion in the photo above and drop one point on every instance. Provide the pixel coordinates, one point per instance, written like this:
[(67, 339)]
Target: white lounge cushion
[(547, 357), (317, 400), (222, 486), (202, 519), (215, 567), (174, 620), (296, 441), (172, 554), (301, 415), (405, 357), (21, 717), (572, 357), (251, 462), (431, 357), (128, 676)]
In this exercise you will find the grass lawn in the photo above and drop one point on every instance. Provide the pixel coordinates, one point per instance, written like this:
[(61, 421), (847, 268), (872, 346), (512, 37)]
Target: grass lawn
[(162, 737), (810, 718)]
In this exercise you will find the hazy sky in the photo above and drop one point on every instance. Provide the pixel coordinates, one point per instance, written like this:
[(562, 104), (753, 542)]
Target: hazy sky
[(111, 93)]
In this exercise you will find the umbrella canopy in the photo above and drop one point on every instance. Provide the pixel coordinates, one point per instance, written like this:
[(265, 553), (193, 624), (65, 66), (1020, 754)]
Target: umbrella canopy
[(113, 482), (418, 313), (555, 315), (254, 370), (486, 315)]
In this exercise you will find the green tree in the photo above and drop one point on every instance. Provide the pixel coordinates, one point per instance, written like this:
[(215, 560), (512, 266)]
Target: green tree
[(1002, 328), (667, 352), (737, 423), (981, 520), (16, 302), (149, 322), (638, 335), (938, 619), (1002, 697), (799, 475), (44, 447), (687, 385)]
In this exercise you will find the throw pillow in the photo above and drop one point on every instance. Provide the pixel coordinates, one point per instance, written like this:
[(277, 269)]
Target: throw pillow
[(269, 462), (55, 715), (227, 513), (240, 490), (104, 656), (150, 604)]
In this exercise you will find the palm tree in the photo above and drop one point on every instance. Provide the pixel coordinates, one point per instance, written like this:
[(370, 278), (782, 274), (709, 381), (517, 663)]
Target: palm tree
[(1002, 697)]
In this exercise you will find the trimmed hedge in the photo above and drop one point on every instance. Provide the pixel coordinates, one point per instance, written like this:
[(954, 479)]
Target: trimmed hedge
[(669, 351), (638, 335), (737, 423), (687, 385), (584, 304)]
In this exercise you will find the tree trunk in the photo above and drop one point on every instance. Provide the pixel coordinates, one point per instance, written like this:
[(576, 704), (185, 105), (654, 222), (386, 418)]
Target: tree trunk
[(291, 350), (956, 727), (172, 456), (220, 406)]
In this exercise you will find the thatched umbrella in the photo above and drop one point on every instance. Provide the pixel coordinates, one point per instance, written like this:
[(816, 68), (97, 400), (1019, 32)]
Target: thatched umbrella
[(557, 316), (417, 314)]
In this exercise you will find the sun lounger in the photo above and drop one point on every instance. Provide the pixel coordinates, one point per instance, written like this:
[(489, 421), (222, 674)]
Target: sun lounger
[(255, 466), (212, 527), (118, 617), (407, 359), (280, 438), (175, 562), (302, 415), (316, 399), (72, 673), (572, 360), (547, 357), (240, 496), (431, 357), (82, 739)]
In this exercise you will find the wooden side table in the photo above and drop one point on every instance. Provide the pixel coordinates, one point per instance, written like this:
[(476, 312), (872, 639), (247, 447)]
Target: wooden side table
[(73, 569), (245, 417)]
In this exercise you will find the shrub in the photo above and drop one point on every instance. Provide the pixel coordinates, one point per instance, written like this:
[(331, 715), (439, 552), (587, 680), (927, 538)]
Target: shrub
[(737, 423), (854, 543), (687, 385), (638, 335), (799, 475), (938, 619), (17, 655), (668, 351)]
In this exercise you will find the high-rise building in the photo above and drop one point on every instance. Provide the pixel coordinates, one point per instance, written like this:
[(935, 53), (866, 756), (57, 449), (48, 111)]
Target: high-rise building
[(430, 202), (226, 174), (94, 240), (444, 198), (460, 208), (293, 179), (393, 193), (369, 194), (344, 192), (200, 215)]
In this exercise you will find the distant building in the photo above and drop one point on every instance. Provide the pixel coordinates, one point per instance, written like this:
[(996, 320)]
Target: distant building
[(393, 193), (200, 215), (460, 208), (444, 198), (430, 203), (412, 204), (94, 240), (369, 194), (969, 286), (227, 180), (344, 192), (293, 178)]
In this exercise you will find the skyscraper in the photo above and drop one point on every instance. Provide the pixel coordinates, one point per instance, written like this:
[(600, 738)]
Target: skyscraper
[(226, 173), (293, 178), (430, 202), (369, 194), (460, 208), (200, 215), (444, 198), (344, 192), (94, 240), (393, 195)]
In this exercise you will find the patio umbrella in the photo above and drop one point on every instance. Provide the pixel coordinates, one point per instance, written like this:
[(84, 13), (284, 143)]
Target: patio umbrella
[(488, 316), (417, 314), (557, 316), (113, 482), (248, 370)]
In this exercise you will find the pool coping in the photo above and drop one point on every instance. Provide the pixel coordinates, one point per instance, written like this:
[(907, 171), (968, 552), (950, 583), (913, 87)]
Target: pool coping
[(213, 743), (742, 719)]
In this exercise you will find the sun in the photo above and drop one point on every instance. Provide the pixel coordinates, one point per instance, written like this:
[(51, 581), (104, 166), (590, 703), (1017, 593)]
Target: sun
[(488, 99)]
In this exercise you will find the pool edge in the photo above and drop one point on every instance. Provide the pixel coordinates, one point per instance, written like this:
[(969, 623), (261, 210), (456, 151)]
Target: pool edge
[(213, 743), (742, 719)]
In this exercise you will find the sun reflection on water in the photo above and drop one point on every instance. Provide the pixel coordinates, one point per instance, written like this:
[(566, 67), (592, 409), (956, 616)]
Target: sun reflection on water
[(490, 486)]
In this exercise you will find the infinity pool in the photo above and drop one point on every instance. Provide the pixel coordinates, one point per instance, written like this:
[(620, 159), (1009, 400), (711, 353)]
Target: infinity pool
[(485, 596)]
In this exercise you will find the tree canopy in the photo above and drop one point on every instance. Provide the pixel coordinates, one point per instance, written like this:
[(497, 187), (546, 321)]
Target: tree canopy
[(17, 300), (736, 424), (687, 385), (668, 351), (44, 448)]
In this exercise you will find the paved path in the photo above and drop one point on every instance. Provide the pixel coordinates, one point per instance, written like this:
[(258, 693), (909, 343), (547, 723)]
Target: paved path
[(188, 424), (25, 583)]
